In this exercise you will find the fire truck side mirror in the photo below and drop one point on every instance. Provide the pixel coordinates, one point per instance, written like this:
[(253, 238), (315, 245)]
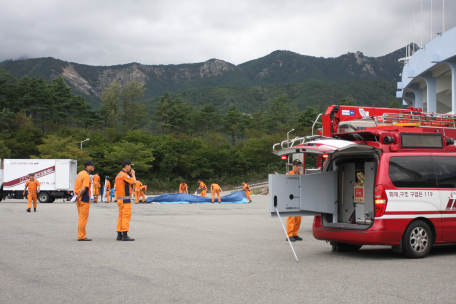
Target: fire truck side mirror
[(388, 140)]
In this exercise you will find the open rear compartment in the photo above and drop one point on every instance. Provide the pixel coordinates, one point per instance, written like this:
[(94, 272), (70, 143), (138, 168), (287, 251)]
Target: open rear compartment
[(355, 192)]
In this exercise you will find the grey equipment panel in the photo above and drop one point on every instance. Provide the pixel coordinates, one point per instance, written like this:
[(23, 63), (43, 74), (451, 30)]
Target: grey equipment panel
[(369, 183), (319, 192), (284, 194), (302, 195), (346, 191)]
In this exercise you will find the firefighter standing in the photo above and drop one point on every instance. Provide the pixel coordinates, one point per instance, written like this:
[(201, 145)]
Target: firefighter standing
[(203, 188), (96, 187), (138, 193), (33, 188), (107, 188), (247, 190), (82, 190), (294, 222), (215, 188), (183, 188), (123, 184)]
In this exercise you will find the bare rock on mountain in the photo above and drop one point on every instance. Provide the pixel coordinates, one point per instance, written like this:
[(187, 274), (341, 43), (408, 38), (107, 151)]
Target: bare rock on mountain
[(215, 67), (364, 62), (78, 82)]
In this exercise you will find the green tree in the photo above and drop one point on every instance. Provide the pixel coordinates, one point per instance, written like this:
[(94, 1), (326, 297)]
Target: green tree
[(6, 120), (22, 121), (232, 123), (81, 114), (133, 112), (5, 152), (161, 114), (110, 104), (7, 82), (139, 154), (280, 114), (308, 116), (346, 102), (61, 96), (395, 104), (208, 118), (55, 146)]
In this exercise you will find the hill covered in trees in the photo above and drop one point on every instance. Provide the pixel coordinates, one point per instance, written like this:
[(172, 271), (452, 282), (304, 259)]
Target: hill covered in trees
[(279, 72)]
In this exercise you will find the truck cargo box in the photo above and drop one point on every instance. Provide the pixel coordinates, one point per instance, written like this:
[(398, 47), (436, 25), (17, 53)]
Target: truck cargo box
[(56, 176)]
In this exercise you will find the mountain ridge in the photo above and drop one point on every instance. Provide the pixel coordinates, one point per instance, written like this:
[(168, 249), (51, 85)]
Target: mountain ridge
[(277, 68)]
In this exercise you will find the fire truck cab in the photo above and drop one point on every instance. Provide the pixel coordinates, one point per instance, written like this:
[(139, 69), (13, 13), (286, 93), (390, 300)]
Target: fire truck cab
[(392, 183)]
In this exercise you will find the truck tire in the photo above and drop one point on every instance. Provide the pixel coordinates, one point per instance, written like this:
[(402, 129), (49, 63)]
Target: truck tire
[(417, 240), (43, 197), (51, 199)]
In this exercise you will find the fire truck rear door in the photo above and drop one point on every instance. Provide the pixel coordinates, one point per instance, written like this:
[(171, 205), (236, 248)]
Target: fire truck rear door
[(303, 195)]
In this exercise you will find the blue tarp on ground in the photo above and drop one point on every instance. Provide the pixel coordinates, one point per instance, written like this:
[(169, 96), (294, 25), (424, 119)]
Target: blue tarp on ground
[(184, 198)]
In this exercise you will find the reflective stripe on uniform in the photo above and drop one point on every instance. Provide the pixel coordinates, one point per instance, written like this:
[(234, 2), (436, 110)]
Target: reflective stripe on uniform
[(124, 197)]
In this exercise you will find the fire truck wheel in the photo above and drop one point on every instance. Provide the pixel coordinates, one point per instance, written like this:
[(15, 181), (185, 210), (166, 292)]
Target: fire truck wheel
[(417, 240), (43, 197)]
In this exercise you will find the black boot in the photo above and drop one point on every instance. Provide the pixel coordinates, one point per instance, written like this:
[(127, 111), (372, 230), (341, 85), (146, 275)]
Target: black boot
[(125, 237), (34, 209), (119, 236), (28, 210)]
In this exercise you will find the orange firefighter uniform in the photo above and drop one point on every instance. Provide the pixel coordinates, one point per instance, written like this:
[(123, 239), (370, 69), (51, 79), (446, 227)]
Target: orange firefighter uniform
[(143, 191), (293, 222), (108, 190), (247, 191), (96, 187), (183, 188), (215, 189), (203, 189), (123, 193), (138, 193), (32, 191), (83, 203)]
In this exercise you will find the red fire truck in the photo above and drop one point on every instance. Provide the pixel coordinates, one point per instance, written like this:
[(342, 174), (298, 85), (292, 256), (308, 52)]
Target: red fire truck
[(388, 178)]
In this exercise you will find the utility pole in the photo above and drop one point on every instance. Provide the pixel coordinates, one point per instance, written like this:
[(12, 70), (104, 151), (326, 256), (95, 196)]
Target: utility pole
[(431, 19), (421, 42), (408, 39), (406, 47), (443, 17), (413, 31), (84, 141)]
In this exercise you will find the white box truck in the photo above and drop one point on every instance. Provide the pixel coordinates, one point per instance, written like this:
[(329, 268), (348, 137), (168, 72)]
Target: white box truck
[(56, 176)]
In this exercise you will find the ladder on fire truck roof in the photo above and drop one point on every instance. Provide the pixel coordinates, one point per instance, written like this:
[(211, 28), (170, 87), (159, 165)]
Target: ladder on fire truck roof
[(417, 119)]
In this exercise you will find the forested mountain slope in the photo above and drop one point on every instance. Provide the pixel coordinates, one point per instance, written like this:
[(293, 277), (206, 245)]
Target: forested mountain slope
[(280, 71)]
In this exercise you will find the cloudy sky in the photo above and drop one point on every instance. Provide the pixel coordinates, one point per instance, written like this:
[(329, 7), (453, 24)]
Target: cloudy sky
[(188, 31)]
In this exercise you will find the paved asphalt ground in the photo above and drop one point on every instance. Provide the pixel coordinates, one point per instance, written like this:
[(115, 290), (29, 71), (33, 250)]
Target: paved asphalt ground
[(200, 253)]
